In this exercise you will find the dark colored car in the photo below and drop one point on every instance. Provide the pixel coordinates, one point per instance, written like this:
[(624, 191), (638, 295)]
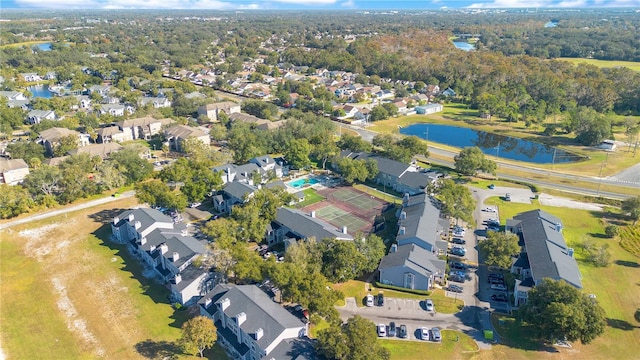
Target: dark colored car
[(496, 281), (380, 299), (455, 288), (491, 186), (403, 331), (456, 278), (392, 329), (496, 276), (458, 252), (458, 241), (499, 297), (458, 265)]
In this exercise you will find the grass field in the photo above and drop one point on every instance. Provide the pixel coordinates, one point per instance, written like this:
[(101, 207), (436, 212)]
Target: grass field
[(604, 63), (69, 291), (454, 345), (310, 197), (616, 287)]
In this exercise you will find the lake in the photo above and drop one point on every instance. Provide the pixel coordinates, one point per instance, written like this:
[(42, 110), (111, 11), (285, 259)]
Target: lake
[(504, 147), (44, 46), (41, 91), (464, 45)]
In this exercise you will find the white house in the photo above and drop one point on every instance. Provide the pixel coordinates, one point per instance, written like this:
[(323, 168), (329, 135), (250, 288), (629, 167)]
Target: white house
[(36, 116), (13, 171)]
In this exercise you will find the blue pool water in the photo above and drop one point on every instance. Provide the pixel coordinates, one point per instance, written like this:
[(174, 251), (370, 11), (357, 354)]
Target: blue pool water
[(301, 182)]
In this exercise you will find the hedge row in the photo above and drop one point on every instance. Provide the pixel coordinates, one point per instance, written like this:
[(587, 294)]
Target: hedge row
[(401, 289)]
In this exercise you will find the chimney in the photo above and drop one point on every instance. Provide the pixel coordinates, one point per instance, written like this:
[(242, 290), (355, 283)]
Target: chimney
[(259, 333), (175, 256), (207, 302), (177, 279), (137, 224), (394, 248), (558, 227), (570, 252), (143, 240), (225, 303), (403, 215), (164, 248), (116, 220), (344, 229), (130, 217), (402, 230), (313, 214), (241, 318)]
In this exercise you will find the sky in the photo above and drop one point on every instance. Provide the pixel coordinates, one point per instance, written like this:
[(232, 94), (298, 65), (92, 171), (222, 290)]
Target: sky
[(309, 4)]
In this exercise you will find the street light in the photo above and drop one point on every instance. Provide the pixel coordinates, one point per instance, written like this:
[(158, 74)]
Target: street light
[(604, 163)]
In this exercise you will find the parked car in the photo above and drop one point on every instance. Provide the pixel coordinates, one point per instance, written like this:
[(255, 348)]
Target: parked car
[(369, 300), (456, 278), (380, 299), (458, 251), (458, 265), (435, 334), (392, 329), (382, 330), (403, 331), (491, 186), (458, 241), (195, 205), (429, 304), (496, 276), (496, 281), (458, 233), (499, 287), (455, 288), (424, 333), (507, 197), (500, 297), (490, 209)]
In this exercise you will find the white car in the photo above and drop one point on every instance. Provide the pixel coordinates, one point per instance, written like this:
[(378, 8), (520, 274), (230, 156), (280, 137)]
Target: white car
[(369, 300), (382, 330), (424, 333), (490, 209), (195, 205), (499, 287), (429, 304)]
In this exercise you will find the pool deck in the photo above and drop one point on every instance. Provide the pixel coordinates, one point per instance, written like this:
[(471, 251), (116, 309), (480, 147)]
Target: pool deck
[(323, 182)]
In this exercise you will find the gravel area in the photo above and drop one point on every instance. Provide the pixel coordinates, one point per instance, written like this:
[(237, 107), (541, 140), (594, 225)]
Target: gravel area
[(558, 201)]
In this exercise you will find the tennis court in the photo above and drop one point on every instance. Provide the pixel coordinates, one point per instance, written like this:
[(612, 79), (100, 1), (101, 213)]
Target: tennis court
[(357, 199), (340, 218)]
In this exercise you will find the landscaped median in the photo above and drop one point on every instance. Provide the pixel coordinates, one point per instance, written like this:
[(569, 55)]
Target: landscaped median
[(357, 289), (454, 344)]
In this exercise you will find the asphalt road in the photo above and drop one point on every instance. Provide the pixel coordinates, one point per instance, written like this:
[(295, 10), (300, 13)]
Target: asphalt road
[(368, 135), (48, 214)]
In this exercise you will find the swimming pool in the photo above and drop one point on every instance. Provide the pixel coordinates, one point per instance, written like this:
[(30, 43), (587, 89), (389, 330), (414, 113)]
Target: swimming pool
[(302, 182)]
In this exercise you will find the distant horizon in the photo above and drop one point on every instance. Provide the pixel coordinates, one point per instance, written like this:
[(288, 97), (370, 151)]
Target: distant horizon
[(330, 5)]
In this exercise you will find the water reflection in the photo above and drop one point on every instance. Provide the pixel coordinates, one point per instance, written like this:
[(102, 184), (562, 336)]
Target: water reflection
[(491, 143)]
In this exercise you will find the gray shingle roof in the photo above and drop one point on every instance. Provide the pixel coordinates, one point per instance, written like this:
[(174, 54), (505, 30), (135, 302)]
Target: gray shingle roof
[(238, 190), (414, 257), (12, 164), (261, 311), (422, 220), (386, 166), (546, 248), (307, 227)]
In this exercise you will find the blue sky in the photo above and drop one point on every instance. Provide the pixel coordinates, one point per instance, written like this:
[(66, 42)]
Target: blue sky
[(309, 4)]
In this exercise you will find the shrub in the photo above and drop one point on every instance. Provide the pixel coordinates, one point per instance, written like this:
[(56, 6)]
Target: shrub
[(612, 231), (401, 289)]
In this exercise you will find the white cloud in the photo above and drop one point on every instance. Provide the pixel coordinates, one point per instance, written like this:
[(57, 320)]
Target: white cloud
[(512, 4), (307, 2), (571, 3), (349, 4)]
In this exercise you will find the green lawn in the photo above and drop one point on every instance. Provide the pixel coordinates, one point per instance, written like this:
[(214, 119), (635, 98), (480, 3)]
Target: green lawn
[(615, 286), (310, 197), (454, 345), (604, 63), (378, 194), (356, 289)]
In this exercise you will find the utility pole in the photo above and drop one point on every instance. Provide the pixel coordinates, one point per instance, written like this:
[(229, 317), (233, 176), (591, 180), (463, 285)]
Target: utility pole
[(604, 163), (426, 137)]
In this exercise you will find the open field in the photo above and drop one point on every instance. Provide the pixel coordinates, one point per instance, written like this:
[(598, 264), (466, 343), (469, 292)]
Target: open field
[(454, 345), (616, 287), (604, 63), (68, 290)]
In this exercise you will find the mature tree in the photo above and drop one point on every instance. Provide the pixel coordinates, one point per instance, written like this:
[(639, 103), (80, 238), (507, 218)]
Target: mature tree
[(14, 200), (26, 150), (591, 127), (378, 112), (383, 141), (156, 193), (372, 248), (129, 162), (631, 207), (297, 154), (66, 144), (556, 310), (416, 145), (198, 334), (472, 159), (457, 201), (108, 176), (353, 170), (341, 260), (353, 143), (354, 340), (43, 181), (499, 248)]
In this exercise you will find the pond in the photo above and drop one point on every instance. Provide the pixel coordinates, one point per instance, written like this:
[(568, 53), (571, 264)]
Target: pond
[(40, 91), (464, 45), (491, 144)]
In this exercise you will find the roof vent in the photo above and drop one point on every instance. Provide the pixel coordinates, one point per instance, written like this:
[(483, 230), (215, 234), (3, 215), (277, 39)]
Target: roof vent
[(241, 318), (570, 252), (259, 333), (225, 303), (402, 230), (394, 248)]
